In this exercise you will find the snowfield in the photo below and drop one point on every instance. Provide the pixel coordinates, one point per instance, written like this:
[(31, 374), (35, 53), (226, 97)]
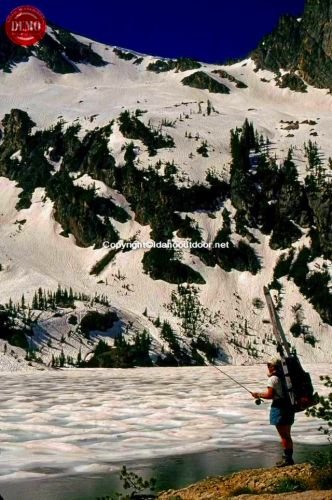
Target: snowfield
[(78, 421)]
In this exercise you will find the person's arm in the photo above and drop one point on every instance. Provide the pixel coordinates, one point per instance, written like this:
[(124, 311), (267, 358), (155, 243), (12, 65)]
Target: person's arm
[(268, 394)]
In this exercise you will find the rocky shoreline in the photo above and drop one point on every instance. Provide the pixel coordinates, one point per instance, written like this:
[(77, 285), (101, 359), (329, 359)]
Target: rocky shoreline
[(298, 482)]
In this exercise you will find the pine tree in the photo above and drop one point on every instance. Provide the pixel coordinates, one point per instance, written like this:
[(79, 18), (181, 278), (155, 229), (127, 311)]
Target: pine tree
[(186, 305), (248, 135), (40, 299), (35, 301), (79, 358), (62, 359), (58, 295), (70, 360), (315, 164), (289, 168), (157, 322), (268, 145), (53, 301)]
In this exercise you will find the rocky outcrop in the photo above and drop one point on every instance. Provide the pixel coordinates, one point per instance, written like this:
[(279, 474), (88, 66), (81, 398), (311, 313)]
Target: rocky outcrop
[(61, 52), (262, 484), (223, 74), (292, 82), (304, 495), (181, 64), (201, 80), (303, 45), (17, 127)]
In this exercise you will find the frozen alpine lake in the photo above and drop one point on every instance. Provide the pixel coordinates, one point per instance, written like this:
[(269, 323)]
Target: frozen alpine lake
[(88, 421)]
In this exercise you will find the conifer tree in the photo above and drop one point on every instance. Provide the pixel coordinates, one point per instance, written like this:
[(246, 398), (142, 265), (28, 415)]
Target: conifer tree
[(157, 322), (315, 166), (62, 359), (40, 299), (289, 168), (79, 358), (35, 301)]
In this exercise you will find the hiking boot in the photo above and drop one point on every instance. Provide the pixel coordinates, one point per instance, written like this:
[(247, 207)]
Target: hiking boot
[(285, 462)]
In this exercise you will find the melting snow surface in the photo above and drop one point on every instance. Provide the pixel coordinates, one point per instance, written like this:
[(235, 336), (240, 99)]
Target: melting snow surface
[(84, 420)]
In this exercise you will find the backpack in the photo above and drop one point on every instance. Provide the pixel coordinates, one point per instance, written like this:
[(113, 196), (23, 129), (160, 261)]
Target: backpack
[(302, 387), (296, 383)]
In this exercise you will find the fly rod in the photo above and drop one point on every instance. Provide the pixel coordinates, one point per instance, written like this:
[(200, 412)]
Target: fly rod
[(257, 401)]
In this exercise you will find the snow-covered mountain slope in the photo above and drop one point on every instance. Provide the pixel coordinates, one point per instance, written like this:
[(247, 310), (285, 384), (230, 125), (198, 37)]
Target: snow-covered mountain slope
[(33, 254), (95, 96)]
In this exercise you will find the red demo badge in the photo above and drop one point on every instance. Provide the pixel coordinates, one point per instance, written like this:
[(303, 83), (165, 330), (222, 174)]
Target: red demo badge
[(25, 25)]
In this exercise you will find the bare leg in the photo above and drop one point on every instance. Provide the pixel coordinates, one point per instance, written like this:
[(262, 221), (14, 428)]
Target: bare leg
[(287, 444), (285, 434)]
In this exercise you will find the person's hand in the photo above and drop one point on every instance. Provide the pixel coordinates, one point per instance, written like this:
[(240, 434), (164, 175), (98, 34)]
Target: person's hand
[(255, 395)]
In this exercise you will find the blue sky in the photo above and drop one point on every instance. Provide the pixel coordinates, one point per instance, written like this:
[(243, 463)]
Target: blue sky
[(211, 30)]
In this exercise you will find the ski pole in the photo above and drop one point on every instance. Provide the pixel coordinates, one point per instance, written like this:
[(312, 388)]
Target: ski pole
[(257, 401)]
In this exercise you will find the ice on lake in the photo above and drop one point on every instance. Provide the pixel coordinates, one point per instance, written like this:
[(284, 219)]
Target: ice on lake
[(78, 421)]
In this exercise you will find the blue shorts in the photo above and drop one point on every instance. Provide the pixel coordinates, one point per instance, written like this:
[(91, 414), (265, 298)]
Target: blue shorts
[(281, 416)]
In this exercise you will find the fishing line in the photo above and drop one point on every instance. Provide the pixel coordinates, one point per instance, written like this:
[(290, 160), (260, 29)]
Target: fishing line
[(257, 401)]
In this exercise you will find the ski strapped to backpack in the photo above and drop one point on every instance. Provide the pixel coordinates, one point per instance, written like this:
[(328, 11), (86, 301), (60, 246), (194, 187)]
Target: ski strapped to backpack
[(297, 383)]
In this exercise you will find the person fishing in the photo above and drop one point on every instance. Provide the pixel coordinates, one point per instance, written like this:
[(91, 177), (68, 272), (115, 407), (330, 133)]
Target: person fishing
[(282, 412)]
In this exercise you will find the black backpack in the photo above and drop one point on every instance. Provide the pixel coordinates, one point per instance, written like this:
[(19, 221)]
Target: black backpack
[(302, 388)]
